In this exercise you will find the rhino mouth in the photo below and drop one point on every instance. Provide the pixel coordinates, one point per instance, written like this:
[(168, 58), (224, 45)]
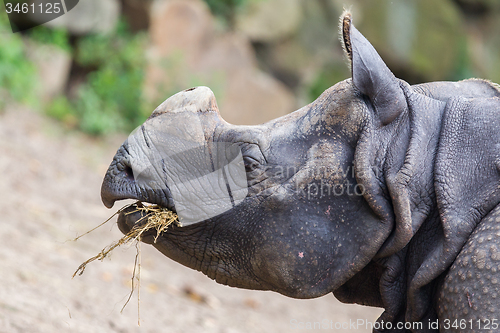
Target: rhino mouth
[(197, 184), (121, 182), (130, 217)]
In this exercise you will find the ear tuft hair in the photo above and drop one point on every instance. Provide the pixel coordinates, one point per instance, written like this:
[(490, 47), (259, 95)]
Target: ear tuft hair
[(345, 34)]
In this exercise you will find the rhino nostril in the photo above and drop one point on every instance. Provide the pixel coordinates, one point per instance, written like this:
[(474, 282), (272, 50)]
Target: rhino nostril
[(129, 173)]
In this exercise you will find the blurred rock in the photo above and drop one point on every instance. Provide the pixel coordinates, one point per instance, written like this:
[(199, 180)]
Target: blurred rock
[(318, 32), (477, 7), (483, 46), (136, 13), (187, 51), (301, 59), (53, 65), (89, 16), (419, 40), (270, 20), (180, 26)]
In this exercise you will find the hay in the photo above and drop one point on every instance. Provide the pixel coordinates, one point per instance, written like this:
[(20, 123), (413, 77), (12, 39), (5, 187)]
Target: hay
[(155, 217)]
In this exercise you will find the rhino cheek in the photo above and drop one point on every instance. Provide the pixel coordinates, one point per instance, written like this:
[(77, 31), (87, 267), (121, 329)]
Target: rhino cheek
[(288, 257), (291, 271), (310, 248)]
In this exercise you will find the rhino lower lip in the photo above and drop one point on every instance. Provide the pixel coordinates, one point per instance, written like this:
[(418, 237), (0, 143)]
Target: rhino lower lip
[(128, 218)]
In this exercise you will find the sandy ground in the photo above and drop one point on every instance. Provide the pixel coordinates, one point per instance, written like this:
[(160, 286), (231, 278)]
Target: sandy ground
[(49, 193)]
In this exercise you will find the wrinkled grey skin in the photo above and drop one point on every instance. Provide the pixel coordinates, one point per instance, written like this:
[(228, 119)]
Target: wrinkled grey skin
[(413, 226)]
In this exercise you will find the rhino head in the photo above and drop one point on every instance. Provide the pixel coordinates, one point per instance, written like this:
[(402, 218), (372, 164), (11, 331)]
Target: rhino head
[(292, 205), (369, 192)]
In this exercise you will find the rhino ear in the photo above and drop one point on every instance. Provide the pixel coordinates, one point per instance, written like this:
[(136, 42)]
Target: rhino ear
[(370, 74)]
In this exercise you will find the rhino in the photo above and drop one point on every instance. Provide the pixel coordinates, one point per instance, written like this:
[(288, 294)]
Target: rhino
[(383, 193)]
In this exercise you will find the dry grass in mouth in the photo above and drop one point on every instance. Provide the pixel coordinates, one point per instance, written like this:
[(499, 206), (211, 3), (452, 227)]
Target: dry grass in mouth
[(155, 217)]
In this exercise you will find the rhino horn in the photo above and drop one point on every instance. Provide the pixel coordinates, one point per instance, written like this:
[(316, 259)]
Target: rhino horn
[(196, 100)]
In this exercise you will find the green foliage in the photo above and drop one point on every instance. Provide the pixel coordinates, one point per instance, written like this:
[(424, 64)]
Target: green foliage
[(329, 75), (17, 73), (225, 9), (463, 66), (44, 35), (111, 99), (62, 110), (97, 115)]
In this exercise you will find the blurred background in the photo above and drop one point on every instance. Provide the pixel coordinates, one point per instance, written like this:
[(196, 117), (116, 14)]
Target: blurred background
[(106, 65), (72, 89)]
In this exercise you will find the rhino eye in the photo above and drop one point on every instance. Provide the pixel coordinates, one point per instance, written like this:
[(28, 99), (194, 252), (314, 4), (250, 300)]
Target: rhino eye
[(250, 163), (252, 158)]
